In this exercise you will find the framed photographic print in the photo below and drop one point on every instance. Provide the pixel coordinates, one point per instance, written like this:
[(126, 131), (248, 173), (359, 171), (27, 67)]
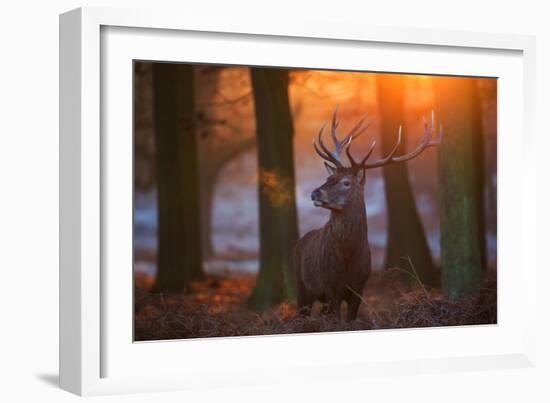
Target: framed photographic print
[(236, 199)]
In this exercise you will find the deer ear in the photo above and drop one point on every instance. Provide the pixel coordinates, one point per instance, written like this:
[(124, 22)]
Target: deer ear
[(330, 168), (360, 175)]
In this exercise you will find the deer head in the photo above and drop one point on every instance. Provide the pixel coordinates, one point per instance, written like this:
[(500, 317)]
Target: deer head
[(346, 183)]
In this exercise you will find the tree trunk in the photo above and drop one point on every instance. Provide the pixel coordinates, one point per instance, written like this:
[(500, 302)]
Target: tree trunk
[(215, 150), (276, 192), (488, 97), (207, 187), (461, 257), (406, 235), (179, 251), (479, 167), (207, 85), (144, 152), (216, 160)]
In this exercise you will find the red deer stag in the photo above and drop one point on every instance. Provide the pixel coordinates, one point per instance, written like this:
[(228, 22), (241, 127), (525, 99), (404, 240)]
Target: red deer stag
[(333, 263)]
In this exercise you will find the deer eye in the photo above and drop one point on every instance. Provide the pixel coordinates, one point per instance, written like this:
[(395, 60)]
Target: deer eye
[(346, 183)]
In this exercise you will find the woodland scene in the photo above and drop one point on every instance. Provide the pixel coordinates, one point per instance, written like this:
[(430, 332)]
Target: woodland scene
[(283, 200)]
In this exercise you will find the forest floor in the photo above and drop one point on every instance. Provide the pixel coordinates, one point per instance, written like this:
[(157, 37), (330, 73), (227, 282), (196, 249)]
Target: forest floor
[(216, 306)]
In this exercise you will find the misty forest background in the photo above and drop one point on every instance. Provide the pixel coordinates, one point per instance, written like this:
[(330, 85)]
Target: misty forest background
[(224, 167)]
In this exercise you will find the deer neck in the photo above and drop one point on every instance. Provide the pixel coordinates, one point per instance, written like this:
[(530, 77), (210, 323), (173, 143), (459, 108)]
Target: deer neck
[(350, 224)]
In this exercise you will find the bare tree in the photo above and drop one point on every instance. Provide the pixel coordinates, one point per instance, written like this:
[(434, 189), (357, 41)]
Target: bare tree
[(406, 235), (221, 138)]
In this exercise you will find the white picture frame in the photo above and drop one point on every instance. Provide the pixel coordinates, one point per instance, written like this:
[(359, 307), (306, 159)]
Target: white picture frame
[(96, 354)]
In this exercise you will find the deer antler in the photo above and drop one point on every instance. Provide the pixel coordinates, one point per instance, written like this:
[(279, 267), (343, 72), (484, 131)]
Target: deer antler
[(334, 156), (424, 143)]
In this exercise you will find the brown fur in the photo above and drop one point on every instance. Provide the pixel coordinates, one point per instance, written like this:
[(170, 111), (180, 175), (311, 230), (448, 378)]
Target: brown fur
[(333, 263)]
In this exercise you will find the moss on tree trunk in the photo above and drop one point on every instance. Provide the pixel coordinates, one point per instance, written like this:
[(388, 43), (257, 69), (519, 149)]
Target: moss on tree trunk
[(461, 255)]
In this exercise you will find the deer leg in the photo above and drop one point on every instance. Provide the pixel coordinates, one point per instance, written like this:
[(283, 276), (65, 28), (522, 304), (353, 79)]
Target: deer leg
[(353, 306), (305, 308), (304, 300), (334, 306)]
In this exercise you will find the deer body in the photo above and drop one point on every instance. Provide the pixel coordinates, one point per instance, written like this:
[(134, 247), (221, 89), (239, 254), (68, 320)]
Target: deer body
[(333, 263)]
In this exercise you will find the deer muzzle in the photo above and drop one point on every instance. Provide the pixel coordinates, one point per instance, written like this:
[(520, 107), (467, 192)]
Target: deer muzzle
[(316, 196)]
